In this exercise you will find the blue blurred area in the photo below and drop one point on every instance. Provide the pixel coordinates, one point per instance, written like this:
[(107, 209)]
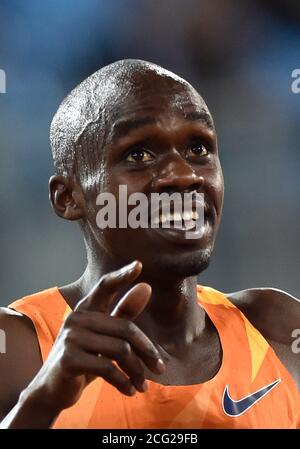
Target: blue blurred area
[(240, 55)]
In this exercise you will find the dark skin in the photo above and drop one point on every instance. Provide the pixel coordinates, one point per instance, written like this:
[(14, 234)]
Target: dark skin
[(146, 316)]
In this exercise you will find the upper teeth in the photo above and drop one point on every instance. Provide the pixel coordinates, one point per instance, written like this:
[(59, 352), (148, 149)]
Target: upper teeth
[(187, 215), (176, 216)]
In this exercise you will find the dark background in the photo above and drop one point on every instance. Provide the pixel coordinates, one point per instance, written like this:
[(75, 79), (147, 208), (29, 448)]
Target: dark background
[(239, 54)]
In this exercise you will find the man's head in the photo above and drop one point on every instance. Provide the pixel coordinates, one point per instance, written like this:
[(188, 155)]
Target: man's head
[(134, 123)]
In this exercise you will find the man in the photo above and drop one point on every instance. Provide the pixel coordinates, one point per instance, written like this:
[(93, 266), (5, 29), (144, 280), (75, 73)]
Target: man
[(134, 342)]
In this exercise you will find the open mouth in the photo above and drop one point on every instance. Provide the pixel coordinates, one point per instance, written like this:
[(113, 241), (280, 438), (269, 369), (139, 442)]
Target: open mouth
[(179, 217), (186, 220)]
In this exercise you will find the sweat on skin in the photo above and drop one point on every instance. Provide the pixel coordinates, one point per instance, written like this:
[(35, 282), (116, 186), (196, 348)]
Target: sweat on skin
[(137, 302)]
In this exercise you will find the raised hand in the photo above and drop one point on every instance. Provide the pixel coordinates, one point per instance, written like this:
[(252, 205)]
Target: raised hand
[(94, 342)]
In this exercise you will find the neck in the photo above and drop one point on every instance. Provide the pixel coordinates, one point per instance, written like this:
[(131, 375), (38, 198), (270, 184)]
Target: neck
[(173, 317)]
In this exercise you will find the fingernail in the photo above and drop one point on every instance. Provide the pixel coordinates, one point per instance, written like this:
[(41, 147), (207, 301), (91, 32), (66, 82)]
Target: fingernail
[(160, 365), (125, 270), (144, 386), (131, 265), (132, 391), (141, 386)]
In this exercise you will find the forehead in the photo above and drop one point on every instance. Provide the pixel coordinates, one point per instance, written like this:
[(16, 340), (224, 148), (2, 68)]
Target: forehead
[(158, 97)]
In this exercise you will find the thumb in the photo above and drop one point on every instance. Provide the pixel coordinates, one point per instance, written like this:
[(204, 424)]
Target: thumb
[(133, 302)]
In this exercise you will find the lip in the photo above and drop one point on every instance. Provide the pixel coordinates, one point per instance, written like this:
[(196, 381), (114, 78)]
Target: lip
[(198, 205), (179, 236), (202, 230)]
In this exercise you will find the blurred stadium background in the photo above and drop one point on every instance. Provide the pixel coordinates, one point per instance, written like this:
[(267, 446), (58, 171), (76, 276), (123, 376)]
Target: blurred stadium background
[(239, 54)]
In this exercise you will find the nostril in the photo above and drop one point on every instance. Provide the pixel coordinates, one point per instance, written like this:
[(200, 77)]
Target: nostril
[(169, 189), (196, 186), (178, 182)]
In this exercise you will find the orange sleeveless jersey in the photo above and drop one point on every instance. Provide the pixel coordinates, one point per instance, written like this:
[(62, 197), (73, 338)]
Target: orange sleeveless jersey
[(252, 389)]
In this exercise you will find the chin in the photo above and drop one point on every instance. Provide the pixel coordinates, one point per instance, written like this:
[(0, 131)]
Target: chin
[(182, 266)]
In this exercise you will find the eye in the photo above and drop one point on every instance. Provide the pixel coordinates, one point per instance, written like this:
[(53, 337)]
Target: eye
[(197, 150), (139, 155)]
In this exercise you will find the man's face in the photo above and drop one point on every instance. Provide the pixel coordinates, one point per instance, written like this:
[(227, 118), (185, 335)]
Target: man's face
[(160, 138)]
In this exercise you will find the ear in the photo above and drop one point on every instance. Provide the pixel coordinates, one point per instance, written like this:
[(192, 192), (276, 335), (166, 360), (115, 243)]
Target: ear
[(66, 197)]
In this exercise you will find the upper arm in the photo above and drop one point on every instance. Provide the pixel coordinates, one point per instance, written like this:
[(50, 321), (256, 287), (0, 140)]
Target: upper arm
[(20, 357), (275, 314)]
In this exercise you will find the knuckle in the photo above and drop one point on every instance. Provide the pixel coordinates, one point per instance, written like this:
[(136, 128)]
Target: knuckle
[(125, 349), (151, 351), (108, 370), (69, 321), (130, 328), (104, 281), (66, 360), (72, 319), (70, 337), (78, 318)]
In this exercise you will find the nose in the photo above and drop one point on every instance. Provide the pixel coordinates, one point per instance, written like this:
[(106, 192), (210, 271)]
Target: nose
[(177, 174)]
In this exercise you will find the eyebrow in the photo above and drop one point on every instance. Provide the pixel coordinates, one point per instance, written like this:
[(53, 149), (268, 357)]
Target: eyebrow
[(200, 116), (123, 127)]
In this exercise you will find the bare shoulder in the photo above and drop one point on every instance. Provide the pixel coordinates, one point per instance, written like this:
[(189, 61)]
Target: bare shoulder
[(17, 328), (276, 314), (20, 357)]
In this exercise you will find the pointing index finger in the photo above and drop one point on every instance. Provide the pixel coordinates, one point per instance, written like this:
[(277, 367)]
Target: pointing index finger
[(103, 294), (133, 302)]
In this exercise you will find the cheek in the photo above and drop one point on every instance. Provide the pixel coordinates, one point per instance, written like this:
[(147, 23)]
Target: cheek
[(121, 185), (215, 188), (138, 181)]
